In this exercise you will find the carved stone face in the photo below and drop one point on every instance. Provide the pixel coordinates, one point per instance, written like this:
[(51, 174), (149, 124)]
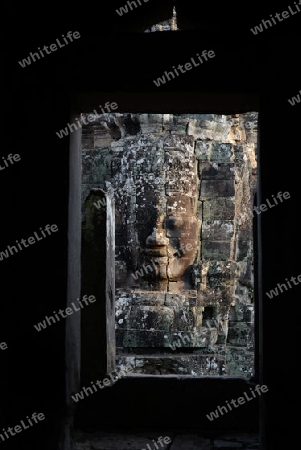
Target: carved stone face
[(172, 245), (158, 215)]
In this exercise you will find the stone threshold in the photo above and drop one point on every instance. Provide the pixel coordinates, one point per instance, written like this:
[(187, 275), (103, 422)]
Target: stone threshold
[(148, 440)]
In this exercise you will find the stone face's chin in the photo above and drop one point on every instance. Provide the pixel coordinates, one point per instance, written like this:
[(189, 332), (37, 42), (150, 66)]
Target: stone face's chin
[(155, 268), (164, 268), (165, 262), (161, 271), (176, 268)]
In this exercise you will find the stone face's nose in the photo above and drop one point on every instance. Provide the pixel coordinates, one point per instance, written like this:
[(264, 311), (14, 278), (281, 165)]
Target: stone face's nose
[(157, 239)]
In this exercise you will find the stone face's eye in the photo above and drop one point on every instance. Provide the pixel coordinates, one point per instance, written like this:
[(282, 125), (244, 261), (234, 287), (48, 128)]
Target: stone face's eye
[(173, 222)]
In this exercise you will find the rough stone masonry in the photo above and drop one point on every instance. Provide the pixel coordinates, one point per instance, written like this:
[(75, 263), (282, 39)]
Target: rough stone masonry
[(181, 181)]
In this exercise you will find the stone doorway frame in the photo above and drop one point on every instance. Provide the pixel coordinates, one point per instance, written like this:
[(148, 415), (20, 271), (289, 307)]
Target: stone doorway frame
[(82, 102)]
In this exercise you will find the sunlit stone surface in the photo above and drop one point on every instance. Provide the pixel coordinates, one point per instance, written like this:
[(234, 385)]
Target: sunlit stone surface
[(184, 190)]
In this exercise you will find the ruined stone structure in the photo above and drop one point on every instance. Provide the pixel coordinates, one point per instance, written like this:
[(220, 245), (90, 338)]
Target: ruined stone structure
[(166, 25), (184, 189)]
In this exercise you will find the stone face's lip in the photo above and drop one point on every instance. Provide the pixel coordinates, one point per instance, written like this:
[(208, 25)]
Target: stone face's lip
[(158, 251)]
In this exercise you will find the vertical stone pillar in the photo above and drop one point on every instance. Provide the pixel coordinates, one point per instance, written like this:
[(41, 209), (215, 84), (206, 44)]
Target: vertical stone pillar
[(73, 335)]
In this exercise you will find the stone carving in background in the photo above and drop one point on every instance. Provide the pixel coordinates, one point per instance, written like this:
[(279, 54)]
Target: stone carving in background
[(184, 188), (166, 25)]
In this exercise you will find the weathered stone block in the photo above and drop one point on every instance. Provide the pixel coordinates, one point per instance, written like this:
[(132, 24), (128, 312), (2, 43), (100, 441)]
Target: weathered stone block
[(239, 362), (151, 123), (120, 273), (148, 298), (184, 319), (216, 128), (183, 179), (151, 317), (244, 242), (206, 297), (122, 311), (87, 139), (176, 300), (102, 137), (243, 310), (179, 123), (216, 250), (202, 338), (214, 151), (217, 188), (179, 142), (219, 274), (192, 299), (94, 167), (239, 334), (176, 287), (214, 296), (217, 230), (219, 208), (195, 364), (142, 338), (251, 127), (216, 171)]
